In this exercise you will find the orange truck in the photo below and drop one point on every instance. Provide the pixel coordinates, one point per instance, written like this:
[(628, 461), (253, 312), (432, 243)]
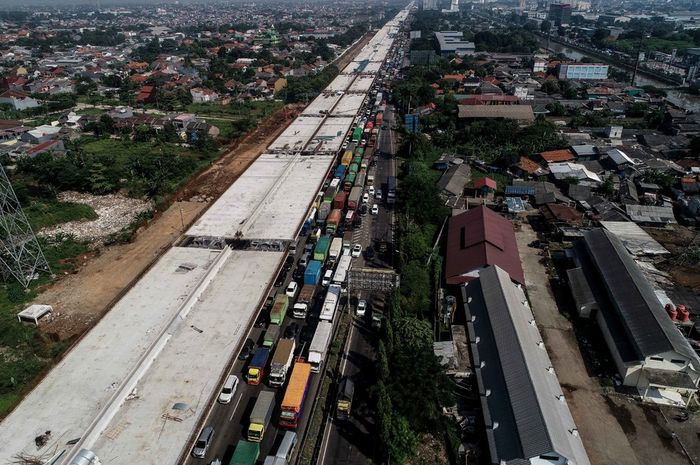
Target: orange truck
[(295, 395)]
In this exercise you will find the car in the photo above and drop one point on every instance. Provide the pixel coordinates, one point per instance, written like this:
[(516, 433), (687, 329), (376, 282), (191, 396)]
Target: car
[(304, 260), (365, 197), (308, 247), (371, 191), (247, 349), (306, 335), (375, 209), (363, 209), (261, 321), (369, 253), (356, 250), (280, 279), (378, 194), (203, 442), (291, 331), (229, 389), (361, 308), (299, 273), (292, 289)]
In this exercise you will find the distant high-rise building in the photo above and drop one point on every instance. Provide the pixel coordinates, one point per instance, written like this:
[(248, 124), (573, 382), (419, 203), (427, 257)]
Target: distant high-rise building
[(560, 13), (454, 7), (429, 4)]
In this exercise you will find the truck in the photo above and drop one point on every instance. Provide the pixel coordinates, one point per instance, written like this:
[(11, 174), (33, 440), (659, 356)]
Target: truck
[(341, 271), (304, 300), (379, 119), (347, 158), (340, 172), (349, 181), (330, 303), (357, 134), (295, 395), (309, 222), (323, 212), (356, 160), (370, 178), (256, 369), (281, 361), (347, 242), (349, 217), (312, 273), (377, 317), (279, 309), (321, 249), (354, 198), (319, 345), (360, 178), (343, 404), (260, 416), (390, 189), (271, 336), (336, 249), (246, 453), (333, 220), (341, 198), (353, 168), (331, 190)]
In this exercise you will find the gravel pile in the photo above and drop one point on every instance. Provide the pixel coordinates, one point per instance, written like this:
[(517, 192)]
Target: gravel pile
[(114, 213)]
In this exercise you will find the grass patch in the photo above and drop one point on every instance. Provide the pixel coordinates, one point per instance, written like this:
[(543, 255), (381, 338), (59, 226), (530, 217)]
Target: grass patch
[(236, 110), (46, 213), (25, 351)]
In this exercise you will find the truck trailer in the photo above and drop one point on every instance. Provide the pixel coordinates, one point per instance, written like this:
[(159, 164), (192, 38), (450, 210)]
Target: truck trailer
[(330, 304), (343, 405), (295, 395), (246, 453), (333, 220), (312, 274), (279, 309), (256, 369), (354, 198), (260, 416), (271, 336), (281, 361), (304, 300), (335, 250), (319, 345), (321, 249)]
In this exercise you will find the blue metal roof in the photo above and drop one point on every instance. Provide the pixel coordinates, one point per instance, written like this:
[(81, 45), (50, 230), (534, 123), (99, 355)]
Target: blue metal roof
[(520, 190)]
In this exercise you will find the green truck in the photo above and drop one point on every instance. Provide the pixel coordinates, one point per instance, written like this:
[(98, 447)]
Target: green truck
[(357, 134), (246, 453), (321, 249), (279, 309), (271, 336)]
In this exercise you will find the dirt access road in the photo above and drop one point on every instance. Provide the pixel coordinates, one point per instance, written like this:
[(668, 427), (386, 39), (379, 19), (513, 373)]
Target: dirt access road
[(80, 299), (614, 429)]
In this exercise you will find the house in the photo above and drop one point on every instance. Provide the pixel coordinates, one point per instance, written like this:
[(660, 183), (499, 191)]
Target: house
[(203, 95), (648, 350), (18, 100), (486, 186), (479, 238), (41, 134), (54, 146), (452, 182), (524, 410), (619, 158), (147, 94), (565, 171), (651, 215), (556, 156), (529, 167)]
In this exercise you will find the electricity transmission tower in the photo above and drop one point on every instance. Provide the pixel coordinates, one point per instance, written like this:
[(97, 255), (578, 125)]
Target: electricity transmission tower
[(20, 254)]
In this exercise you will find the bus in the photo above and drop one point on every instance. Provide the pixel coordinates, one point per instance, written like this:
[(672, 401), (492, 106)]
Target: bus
[(390, 189), (294, 396)]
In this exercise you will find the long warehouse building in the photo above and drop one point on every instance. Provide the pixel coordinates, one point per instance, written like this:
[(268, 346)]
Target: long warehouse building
[(137, 385)]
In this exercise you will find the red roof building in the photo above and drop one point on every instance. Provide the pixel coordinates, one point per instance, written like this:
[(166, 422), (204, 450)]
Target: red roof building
[(485, 183), (479, 238), (556, 156)]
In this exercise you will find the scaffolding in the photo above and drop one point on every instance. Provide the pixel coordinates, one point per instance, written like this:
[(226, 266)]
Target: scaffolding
[(372, 280), (20, 253)]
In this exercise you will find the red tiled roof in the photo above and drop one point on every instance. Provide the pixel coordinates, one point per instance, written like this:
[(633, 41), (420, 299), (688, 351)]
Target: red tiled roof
[(557, 156), (560, 212), (527, 165), (477, 238), (487, 182)]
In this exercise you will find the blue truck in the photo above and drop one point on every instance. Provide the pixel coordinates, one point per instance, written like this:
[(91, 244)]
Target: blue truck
[(256, 369), (340, 173), (313, 272)]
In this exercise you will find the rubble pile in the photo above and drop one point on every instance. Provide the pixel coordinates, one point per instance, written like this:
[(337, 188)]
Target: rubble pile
[(114, 213)]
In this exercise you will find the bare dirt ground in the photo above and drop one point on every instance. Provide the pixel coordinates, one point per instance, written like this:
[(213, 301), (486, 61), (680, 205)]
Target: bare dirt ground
[(676, 238), (602, 435), (615, 429), (82, 298)]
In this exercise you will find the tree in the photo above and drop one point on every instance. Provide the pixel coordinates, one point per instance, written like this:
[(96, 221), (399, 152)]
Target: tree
[(382, 362), (415, 288), (600, 37), (550, 87), (402, 440), (546, 26), (556, 109)]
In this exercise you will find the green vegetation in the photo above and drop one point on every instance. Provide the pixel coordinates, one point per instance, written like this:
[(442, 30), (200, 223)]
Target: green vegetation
[(512, 41), (26, 351), (303, 89), (46, 213), (253, 109)]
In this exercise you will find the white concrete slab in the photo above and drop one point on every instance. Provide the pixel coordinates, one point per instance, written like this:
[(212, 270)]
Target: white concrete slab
[(361, 84), (297, 134), (74, 392), (340, 83), (331, 134), (349, 105), (322, 104)]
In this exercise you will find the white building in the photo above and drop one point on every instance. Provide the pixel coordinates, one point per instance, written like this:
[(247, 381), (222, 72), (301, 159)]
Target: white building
[(18, 100)]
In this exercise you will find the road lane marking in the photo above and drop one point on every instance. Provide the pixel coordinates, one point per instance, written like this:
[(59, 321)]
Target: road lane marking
[(236, 407)]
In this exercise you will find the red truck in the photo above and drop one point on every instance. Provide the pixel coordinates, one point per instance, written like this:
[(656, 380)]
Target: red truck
[(340, 200)]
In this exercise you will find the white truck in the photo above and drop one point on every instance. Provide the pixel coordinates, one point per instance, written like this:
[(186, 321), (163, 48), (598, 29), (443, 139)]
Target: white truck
[(335, 250), (281, 362), (330, 304), (319, 345), (341, 271), (304, 300)]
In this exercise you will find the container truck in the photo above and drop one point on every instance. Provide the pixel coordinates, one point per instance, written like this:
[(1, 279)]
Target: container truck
[(279, 309), (246, 453), (312, 273), (271, 336), (343, 405), (309, 222), (256, 369), (294, 396), (335, 249), (321, 249), (349, 181), (360, 178), (281, 361), (357, 134), (330, 303), (353, 167), (356, 160), (341, 198), (349, 217), (306, 297), (319, 345), (354, 198), (347, 242), (340, 172), (341, 271), (364, 165), (347, 158), (333, 220), (323, 212), (330, 192), (260, 416)]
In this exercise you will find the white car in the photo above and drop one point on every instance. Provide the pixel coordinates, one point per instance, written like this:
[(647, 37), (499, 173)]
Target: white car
[(356, 250), (229, 389), (371, 191), (375, 209), (365, 197), (291, 290), (361, 308)]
